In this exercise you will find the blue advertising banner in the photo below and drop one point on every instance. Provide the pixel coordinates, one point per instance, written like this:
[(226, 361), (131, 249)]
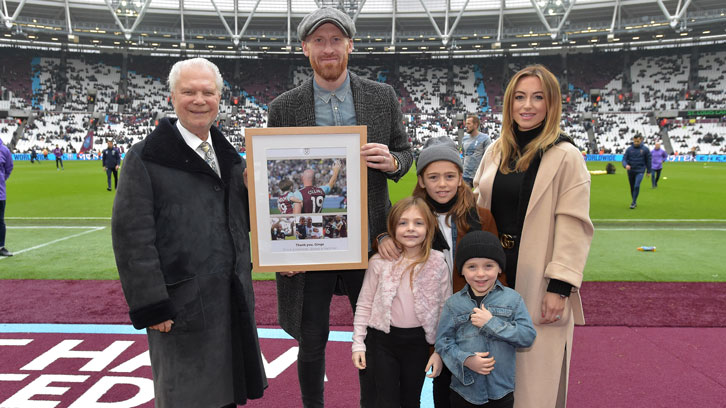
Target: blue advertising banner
[(80, 156), (720, 158)]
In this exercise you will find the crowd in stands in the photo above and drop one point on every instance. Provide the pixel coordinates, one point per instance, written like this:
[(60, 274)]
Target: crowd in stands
[(54, 92)]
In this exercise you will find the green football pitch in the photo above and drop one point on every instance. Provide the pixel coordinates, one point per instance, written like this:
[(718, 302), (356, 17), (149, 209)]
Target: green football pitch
[(59, 224)]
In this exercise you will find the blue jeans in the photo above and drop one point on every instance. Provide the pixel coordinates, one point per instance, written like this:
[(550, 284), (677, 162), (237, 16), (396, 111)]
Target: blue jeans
[(635, 179)]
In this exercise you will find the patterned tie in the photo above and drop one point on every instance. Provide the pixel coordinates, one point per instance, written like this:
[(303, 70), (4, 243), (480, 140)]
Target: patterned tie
[(208, 156)]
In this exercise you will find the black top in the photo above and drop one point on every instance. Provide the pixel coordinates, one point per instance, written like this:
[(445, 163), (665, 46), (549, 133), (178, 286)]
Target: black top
[(510, 198)]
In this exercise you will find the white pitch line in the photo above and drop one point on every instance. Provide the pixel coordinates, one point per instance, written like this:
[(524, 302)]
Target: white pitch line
[(51, 227), (92, 229), (658, 229), (57, 218), (656, 220)]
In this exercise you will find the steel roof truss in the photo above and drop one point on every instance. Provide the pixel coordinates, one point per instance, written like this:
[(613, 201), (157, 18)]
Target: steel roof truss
[(680, 12), (5, 16), (128, 31), (447, 32)]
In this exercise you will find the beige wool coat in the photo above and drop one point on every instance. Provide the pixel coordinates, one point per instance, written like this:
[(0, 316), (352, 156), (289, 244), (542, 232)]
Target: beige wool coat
[(555, 241)]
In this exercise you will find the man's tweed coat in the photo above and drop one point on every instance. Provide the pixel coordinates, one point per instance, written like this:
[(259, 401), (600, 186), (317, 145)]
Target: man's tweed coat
[(377, 107)]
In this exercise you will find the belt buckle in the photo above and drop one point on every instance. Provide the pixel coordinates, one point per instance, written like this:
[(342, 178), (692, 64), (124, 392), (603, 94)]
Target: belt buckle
[(507, 241)]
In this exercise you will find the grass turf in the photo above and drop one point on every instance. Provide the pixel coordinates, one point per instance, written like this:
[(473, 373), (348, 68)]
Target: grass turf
[(43, 203)]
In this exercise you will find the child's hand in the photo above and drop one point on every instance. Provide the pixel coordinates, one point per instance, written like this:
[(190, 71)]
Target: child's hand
[(480, 317), (480, 363), (388, 250), (435, 364), (359, 360)]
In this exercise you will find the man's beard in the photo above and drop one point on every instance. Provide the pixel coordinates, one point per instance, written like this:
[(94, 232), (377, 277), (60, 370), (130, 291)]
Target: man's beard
[(330, 72)]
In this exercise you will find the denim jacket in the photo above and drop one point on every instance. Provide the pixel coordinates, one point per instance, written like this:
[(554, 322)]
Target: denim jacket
[(457, 339)]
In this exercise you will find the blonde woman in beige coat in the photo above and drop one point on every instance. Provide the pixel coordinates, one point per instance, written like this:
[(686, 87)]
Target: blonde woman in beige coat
[(535, 182)]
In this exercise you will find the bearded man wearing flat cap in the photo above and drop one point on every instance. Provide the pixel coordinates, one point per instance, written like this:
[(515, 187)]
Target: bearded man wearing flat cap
[(336, 97)]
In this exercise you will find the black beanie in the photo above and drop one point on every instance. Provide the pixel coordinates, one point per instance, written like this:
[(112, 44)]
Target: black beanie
[(479, 244)]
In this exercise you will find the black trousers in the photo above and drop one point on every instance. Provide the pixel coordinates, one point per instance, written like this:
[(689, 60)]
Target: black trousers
[(319, 289), (442, 390), (505, 402), (399, 362), (655, 177), (58, 160)]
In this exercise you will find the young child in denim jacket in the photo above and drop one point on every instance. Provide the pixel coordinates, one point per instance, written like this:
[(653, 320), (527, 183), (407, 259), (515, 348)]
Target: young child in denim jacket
[(481, 326)]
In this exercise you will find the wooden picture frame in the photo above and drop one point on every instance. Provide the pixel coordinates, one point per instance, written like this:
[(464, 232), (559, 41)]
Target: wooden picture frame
[(303, 225)]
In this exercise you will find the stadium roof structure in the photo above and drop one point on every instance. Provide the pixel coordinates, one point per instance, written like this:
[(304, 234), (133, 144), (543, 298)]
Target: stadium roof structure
[(442, 28)]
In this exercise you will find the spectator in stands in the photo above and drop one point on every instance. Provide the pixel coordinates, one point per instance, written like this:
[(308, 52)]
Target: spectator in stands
[(658, 156), (336, 96), (474, 144), (58, 153), (636, 161), (6, 167), (536, 184), (188, 284), (111, 160)]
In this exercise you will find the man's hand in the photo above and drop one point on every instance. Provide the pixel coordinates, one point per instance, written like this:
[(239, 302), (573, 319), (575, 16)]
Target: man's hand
[(378, 157), (291, 273), (244, 176), (627, 167), (164, 327)]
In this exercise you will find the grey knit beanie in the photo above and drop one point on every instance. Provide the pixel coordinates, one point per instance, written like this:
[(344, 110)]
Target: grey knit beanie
[(438, 148)]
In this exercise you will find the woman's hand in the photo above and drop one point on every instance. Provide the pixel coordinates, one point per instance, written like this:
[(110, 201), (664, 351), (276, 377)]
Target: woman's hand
[(553, 305)]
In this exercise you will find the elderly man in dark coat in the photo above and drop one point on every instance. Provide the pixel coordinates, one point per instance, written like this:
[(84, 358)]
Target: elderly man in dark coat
[(180, 235), (336, 97)]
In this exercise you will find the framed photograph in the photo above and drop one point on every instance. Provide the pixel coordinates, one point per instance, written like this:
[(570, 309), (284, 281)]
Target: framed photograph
[(308, 196)]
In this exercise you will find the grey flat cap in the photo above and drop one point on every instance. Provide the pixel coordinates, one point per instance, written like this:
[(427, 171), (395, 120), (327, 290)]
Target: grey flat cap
[(323, 15)]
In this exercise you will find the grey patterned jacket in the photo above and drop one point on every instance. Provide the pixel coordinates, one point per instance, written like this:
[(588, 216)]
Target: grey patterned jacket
[(377, 107)]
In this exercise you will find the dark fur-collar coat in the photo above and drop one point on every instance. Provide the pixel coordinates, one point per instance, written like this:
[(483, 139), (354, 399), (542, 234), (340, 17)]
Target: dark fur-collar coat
[(180, 236)]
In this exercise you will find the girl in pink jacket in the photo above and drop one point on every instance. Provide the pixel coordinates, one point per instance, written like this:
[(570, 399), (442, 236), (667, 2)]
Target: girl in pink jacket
[(399, 306)]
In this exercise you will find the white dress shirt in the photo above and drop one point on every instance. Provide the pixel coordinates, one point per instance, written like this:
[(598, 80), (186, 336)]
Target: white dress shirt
[(195, 142)]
